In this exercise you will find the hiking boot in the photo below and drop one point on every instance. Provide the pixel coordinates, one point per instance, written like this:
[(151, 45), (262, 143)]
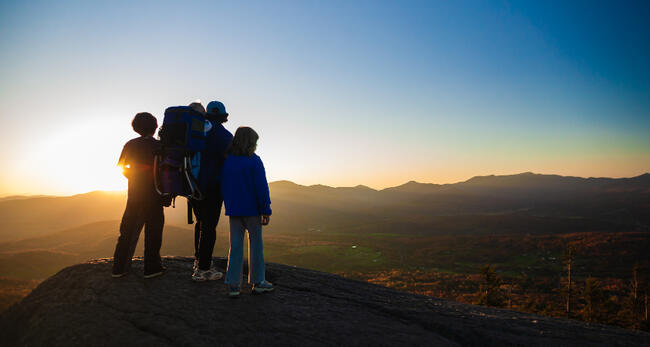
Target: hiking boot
[(262, 287), (160, 272), (233, 291), (206, 275)]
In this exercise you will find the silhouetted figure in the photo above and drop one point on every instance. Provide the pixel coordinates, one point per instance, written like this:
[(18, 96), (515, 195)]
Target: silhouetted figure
[(208, 210), (196, 106), (144, 205), (248, 203)]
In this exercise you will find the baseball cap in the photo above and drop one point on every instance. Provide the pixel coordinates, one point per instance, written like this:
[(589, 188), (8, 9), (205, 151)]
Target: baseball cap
[(216, 107)]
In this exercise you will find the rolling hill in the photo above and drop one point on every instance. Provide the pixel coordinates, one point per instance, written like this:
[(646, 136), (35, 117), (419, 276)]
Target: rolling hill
[(623, 201), (316, 226)]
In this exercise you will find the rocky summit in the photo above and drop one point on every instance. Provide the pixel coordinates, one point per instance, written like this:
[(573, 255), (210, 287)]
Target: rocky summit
[(83, 306)]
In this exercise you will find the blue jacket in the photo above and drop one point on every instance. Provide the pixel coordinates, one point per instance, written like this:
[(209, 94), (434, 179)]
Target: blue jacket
[(244, 186), (212, 157)]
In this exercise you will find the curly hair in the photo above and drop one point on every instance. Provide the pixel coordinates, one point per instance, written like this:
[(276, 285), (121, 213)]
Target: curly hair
[(144, 123), (244, 143)]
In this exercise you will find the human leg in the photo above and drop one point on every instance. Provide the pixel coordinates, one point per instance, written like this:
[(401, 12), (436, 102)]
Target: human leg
[(153, 238), (236, 252), (209, 211), (130, 228), (256, 266), (197, 236)]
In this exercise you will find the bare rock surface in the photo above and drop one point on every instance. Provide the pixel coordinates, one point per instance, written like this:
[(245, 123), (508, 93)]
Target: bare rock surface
[(83, 306)]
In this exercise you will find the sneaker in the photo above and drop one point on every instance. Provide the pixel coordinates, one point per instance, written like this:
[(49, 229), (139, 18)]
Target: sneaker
[(233, 291), (262, 287), (206, 275), (157, 273), (118, 275)]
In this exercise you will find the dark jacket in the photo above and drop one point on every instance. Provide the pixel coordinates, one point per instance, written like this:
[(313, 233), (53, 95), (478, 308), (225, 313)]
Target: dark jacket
[(244, 186), (138, 155), (212, 157)]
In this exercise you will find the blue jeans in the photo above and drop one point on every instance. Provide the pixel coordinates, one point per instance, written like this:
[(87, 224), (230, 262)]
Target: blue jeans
[(238, 226)]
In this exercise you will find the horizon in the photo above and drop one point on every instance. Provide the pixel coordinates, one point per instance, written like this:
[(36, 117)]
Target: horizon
[(379, 93), (123, 191)]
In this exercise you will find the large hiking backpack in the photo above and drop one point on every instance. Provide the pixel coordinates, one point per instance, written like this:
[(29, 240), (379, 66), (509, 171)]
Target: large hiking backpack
[(182, 138)]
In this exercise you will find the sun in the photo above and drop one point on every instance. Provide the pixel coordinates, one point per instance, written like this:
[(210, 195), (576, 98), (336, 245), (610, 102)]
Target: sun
[(80, 159)]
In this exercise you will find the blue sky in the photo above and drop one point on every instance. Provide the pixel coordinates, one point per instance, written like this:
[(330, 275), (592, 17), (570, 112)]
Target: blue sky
[(342, 93)]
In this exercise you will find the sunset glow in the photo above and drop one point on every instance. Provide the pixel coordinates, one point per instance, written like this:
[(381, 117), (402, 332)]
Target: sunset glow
[(340, 95)]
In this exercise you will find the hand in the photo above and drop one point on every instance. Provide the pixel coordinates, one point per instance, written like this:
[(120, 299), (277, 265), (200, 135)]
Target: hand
[(265, 219)]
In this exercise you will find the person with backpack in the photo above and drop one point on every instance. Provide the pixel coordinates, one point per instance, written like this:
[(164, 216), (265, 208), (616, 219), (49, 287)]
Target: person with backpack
[(198, 107), (208, 210), (144, 206), (248, 204)]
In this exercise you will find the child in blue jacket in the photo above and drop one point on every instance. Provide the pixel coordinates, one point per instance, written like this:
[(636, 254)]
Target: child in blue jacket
[(248, 204)]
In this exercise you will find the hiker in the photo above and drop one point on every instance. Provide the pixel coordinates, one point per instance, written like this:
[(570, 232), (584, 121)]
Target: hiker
[(208, 209), (248, 204), (144, 206), (197, 106)]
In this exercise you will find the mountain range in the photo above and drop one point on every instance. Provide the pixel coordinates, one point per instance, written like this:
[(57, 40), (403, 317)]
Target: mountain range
[(312, 226), (623, 200)]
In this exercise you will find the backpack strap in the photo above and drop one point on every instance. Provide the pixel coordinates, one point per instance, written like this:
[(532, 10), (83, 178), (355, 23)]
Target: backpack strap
[(190, 220)]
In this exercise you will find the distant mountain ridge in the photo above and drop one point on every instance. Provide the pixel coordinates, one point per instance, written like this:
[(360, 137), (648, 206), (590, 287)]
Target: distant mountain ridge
[(612, 198), (526, 180), (21, 197), (525, 177)]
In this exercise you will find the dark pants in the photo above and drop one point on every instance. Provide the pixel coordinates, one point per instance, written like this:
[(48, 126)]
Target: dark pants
[(140, 211), (207, 213)]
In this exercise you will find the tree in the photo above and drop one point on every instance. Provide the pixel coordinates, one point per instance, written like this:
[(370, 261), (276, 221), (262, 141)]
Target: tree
[(526, 283), (637, 301), (635, 283), (593, 296), (645, 325), (645, 299), (569, 256), (489, 290)]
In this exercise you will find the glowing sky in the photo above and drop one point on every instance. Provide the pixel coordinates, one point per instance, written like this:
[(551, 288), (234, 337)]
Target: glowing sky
[(342, 93)]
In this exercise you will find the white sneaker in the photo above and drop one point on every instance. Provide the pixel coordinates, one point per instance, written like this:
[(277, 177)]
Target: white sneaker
[(233, 291), (262, 287), (206, 275)]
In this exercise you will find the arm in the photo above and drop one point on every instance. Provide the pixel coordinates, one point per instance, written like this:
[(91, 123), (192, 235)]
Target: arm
[(262, 190), (123, 162)]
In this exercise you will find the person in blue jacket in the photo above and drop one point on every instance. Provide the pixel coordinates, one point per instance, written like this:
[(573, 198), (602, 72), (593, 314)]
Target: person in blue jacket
[(208, 209), (248, 204)]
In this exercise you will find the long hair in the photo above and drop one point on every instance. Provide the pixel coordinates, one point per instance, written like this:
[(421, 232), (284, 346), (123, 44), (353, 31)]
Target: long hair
[(244, 143)]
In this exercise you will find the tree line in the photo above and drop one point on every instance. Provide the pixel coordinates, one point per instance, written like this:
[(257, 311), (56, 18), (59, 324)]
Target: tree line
[(585, 298)]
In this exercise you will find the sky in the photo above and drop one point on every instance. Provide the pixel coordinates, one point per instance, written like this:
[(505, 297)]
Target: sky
[(341, 92)]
